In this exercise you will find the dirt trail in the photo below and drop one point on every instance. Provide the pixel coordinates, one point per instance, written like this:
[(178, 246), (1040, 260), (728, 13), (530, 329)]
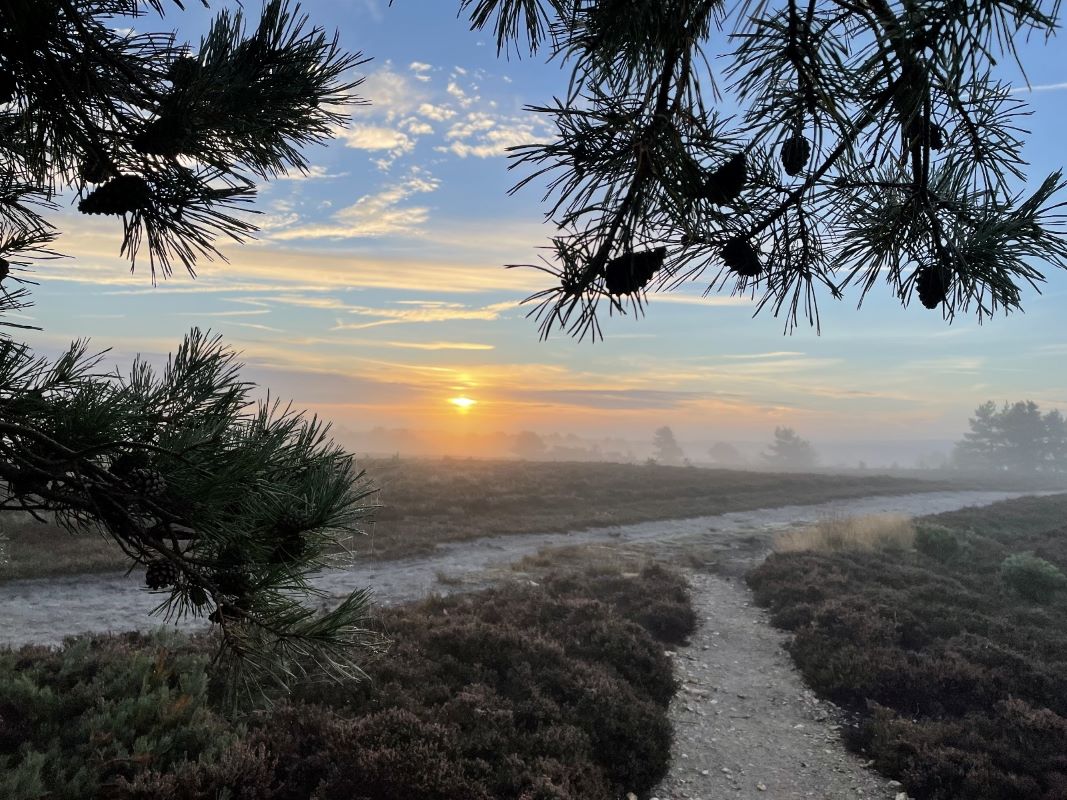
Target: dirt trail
[(44, 611), (745, 725)]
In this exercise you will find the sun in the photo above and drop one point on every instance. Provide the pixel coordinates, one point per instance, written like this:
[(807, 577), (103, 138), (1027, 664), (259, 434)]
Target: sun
[(462, 404)]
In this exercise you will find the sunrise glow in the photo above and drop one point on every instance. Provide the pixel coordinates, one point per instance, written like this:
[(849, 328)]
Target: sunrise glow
[(462, 404)]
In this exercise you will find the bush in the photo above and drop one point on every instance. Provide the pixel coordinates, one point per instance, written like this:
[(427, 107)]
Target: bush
[(101, 710), (557, 692), (959, 689), (1034, 578), (936, 541)]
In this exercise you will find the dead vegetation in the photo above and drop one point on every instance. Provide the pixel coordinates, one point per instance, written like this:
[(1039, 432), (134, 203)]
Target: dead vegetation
[(870, 532)]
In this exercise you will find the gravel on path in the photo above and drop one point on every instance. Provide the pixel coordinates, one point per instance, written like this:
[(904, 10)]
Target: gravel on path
[(745, 725)]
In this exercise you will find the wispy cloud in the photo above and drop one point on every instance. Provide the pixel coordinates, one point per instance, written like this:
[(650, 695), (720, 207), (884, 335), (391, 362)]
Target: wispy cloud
[(373, 215), (1043, 87), (422, 313), (773, 354), (698, 300), (483, 134), (440, 345), (377, 137)]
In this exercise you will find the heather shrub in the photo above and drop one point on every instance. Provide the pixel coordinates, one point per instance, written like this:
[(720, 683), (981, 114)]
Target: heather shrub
[(936, 541), (1034, 578), (552, 692), (959, 689)]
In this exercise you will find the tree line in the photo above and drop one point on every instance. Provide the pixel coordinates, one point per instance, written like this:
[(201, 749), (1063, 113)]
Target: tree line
[(1016, 437)]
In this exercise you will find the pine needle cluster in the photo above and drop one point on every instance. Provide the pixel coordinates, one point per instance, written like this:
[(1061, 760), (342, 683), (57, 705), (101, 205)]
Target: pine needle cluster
[(786, 149), (229, 505)]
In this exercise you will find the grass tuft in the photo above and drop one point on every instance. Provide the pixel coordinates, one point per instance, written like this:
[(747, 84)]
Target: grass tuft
[(833, 534)]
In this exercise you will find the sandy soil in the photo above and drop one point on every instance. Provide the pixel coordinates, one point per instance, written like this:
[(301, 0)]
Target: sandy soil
[(745, 725)]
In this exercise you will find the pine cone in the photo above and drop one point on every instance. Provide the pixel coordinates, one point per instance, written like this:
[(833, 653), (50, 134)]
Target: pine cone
[(126, 463), (933, 283), (163, 137), (146, 481), (121, 195), (160, 574), (232, 582), (739, 255), (183, 71), (796, 150), (631, 272), (5, 268), (197, 596), (724, 185), (291, 521), (937, 136)]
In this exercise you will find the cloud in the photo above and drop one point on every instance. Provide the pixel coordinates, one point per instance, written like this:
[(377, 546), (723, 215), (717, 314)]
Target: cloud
[(421, 70), (484, 135), (393, 141), (774, 354), (440, 345), (1045, 87), (312, 173), (377, 137), (437, 113), (416, 127), (392, 94), (695, 300), (423, 312), (373, 215)]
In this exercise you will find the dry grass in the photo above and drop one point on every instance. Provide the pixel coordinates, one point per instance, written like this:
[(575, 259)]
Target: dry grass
[(30, 549), (429, 502), (872, 532)]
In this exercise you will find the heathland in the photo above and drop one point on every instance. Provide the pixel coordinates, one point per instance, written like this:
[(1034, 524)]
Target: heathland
[(427, 502)]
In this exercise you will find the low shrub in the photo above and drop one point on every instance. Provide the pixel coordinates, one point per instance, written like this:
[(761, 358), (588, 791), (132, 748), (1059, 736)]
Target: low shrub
[(550, 692), (1034, 578), (958, 680), (936, 541)]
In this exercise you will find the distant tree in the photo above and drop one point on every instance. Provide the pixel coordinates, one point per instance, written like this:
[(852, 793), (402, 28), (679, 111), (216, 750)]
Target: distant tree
[(1018, 437), (789, 451), (529, 445), (665, 448), (725, 454), (229, 505), (845, 145)]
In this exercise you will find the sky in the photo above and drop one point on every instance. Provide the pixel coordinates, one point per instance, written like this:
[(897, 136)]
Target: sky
[(375, 293)]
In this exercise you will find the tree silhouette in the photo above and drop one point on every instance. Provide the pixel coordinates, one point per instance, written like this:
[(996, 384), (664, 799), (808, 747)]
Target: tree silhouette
[(789, 451), (871, 142), (229, 505), (665, 448), (1018, 437)]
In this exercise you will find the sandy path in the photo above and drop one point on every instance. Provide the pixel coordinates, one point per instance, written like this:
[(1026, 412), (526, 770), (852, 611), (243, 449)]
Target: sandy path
[(745, 725), (44, 611)]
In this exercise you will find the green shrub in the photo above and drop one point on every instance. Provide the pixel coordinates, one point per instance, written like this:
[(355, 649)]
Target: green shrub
[(1034, 578), (101, 710), (937, 542)]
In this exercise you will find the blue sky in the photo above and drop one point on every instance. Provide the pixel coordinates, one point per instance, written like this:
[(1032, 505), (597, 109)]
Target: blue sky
[(375, 292)]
